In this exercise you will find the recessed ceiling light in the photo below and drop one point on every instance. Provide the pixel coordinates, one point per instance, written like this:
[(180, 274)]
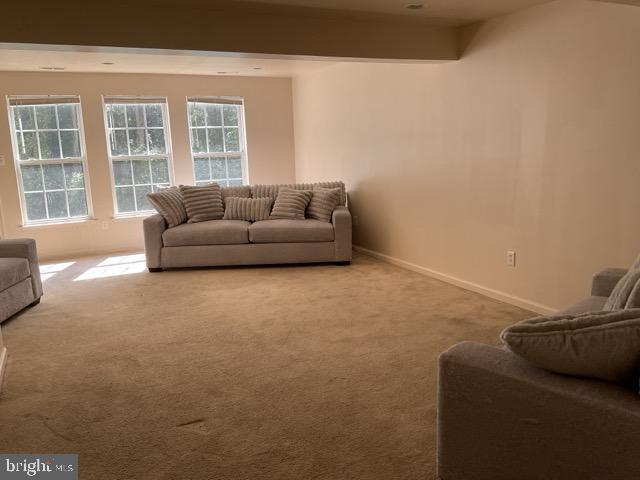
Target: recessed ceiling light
[(228, 73), (52, 68), (257, 68), (413, 6), (107, 63)]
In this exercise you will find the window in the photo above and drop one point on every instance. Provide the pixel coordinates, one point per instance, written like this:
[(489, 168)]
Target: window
[(217, 141), (139, 152), (48, 150)]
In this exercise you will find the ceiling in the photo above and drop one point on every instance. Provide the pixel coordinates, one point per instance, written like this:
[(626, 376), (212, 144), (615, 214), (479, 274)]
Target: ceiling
[(31, 57), (122, 60)]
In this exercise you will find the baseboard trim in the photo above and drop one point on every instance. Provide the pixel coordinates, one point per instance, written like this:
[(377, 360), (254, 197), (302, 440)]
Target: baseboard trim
[(458, 282), (3, 364)]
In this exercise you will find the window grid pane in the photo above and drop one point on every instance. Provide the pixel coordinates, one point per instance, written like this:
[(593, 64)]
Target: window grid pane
[(222, 170), (138, 153), (217, 143), (31, 128), (47, 192)]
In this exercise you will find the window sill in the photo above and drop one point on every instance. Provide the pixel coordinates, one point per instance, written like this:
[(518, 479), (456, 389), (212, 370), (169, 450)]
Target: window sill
[(132, 216), (57, 223)]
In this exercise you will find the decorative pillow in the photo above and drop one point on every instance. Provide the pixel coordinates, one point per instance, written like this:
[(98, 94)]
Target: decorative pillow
[(249, 209), (323, 202), (291, 203), (240, 191), (202, 203), (634, 297), (168, 203), (603, 345), (623, 293)]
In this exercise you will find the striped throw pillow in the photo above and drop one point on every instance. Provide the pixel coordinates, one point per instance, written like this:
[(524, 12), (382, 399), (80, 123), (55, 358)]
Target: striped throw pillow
[(291, 203), (202, 203), (323, 202), (248, 209), (168, 203)]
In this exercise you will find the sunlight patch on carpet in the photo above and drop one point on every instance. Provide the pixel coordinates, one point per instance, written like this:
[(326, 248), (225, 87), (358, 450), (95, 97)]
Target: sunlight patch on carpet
[(114, 267), (49, 270)]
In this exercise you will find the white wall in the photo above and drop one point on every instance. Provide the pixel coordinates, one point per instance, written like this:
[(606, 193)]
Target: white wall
[(530, 142), (269, 131)]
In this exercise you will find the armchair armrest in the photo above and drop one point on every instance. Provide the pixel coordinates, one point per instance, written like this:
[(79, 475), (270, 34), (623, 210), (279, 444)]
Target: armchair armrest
[(153, 227), (604, 281), (341, 220), (501, 418), (24, 248)]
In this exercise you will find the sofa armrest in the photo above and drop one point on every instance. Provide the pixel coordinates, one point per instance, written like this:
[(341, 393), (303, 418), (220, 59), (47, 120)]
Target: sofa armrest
[(24, 248), (342, 226), (501, 418), (153, 227), (604, 281)]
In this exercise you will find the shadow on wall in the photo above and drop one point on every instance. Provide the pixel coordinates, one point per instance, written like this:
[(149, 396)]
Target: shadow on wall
[(380, 215), (466, 37)]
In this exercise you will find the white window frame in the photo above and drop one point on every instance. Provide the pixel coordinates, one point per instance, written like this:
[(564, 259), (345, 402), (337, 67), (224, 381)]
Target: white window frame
[(143, 100), (242, 139), (50, 161)]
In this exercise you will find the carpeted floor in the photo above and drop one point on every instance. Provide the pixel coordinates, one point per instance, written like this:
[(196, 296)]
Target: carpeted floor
[(283, 373)]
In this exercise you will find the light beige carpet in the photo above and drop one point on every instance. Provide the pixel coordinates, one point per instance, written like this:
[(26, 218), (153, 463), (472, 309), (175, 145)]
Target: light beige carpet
[(312, 372)]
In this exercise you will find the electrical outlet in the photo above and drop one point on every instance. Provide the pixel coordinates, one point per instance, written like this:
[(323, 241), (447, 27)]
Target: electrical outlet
[(511, 258), (105, 225), (2, 160), (356, 220)]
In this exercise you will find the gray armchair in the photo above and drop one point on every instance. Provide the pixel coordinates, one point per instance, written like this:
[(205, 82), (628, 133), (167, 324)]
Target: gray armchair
[(501, 418), (20, 283)]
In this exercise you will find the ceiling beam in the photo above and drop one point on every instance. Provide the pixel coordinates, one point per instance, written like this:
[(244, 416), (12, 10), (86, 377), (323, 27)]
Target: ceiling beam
[(191, 27)]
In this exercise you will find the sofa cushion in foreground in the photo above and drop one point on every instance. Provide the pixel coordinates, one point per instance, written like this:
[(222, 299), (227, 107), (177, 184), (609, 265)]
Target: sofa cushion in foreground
[(213, 232), (604, 345), (290, 231)]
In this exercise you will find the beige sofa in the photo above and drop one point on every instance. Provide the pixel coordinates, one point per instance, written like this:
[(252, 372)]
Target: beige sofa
[(20, 284), (500, 418), (236, 242)]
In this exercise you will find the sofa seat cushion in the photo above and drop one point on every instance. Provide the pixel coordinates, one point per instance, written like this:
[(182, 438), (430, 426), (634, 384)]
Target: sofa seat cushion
[(212, 232), (290, 231), (589, 304), (13, 271)]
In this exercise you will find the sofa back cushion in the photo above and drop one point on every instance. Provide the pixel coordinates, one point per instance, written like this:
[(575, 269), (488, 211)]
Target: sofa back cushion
[(248, 209), (604, 345), (243, 191), (271, 191), (202, 203)]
